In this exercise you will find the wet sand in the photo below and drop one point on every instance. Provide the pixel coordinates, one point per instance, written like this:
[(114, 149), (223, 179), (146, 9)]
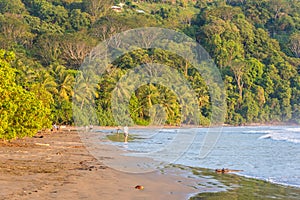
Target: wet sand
[(58, 166)]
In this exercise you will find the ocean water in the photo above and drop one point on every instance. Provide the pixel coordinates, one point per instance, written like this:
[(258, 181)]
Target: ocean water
[(271, 153)]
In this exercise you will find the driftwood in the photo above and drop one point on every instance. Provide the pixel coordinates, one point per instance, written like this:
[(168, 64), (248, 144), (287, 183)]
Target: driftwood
[(41, 144)]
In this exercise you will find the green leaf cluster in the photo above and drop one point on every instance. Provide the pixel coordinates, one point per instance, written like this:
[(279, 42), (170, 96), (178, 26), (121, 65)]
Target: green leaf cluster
[(255, 44), (22, 113)]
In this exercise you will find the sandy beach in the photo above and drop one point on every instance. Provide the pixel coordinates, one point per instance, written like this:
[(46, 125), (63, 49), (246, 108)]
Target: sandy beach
[(56, 165)]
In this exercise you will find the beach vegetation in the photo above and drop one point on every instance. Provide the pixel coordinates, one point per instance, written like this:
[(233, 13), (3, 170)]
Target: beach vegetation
[(255, 45), (22, 111)]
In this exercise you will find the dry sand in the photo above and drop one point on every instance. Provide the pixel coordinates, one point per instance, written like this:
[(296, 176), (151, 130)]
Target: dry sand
[(58, 166)]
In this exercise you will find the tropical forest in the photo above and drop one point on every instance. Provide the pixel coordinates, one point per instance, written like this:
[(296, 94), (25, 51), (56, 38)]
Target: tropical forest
[(255, 44)]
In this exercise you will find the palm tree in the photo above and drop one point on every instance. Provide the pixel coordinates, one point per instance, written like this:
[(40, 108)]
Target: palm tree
[(47, 81), (64, 79), (44, 87), (169, 101), (87, 85), (147, 96)]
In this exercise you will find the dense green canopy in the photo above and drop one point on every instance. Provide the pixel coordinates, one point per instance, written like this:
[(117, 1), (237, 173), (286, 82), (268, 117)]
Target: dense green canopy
[(255, 44), (22, 113)]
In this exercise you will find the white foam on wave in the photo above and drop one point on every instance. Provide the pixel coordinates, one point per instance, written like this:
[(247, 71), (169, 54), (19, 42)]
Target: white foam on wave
[(265, 136), (270, 179), (293, 129), (258, 131), (293, 137), (168, 130)]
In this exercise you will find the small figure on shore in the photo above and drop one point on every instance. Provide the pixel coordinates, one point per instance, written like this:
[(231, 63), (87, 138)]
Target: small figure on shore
[(222, 170), (118, 129), (54, 127), (126, 132)]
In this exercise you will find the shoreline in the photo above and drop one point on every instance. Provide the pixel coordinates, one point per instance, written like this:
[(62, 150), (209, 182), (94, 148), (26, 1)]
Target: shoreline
[(241, 176), (252, 177), (247, 188), (237, 174), (192, 126), (58, 165)]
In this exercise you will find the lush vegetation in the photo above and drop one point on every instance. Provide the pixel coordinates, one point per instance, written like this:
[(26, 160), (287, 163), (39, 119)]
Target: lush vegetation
[(23, 111), (255, 44)]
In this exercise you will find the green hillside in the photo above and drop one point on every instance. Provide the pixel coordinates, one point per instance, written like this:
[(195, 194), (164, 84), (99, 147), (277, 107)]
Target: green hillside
[(255, 44)]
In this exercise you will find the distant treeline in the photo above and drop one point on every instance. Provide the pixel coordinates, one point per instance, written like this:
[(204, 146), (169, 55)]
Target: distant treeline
[(255, 44)]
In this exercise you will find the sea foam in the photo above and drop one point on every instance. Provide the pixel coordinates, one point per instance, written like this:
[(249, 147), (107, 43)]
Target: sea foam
[(288, 134)]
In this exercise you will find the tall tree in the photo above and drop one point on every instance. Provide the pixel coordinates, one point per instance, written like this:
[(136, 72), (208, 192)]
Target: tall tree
[(97, 8), (294, 44)]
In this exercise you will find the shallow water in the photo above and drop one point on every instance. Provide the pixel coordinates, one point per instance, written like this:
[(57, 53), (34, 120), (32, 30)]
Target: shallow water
[(246, 188), (268, 153)]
